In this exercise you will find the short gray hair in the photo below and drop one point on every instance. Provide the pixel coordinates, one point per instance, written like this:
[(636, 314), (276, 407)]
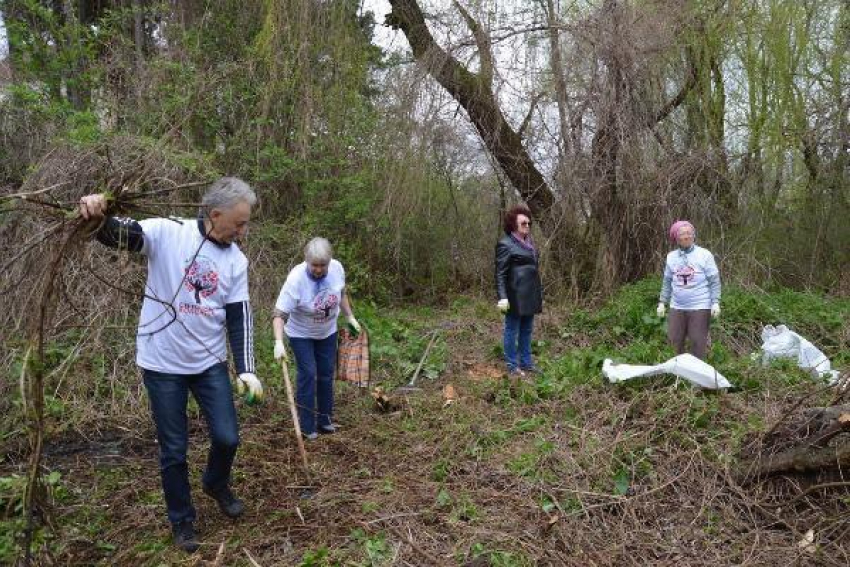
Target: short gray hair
[(227, 192), (318, 251)]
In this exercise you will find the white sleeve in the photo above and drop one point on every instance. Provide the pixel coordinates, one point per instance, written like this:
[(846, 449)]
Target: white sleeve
[(341, 272), (155, 234), (239, 290), (287, 299)]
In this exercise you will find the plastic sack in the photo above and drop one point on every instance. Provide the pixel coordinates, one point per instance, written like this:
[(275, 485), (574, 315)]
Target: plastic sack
[(685, 366), (782, 342)]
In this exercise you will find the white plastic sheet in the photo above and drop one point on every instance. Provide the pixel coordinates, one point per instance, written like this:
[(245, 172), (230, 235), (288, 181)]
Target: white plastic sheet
[(782, 342), (685, 366)]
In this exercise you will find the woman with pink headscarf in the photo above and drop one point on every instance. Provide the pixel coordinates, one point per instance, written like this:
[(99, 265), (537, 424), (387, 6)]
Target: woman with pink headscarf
[(691, 285)]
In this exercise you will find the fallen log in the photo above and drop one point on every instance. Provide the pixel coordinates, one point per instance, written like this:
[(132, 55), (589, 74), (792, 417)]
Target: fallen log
[(819, 441), (804, 459)]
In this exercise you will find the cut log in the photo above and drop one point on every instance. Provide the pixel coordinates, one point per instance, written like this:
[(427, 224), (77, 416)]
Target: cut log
[(824, 415), (803, 459), (819, 440)]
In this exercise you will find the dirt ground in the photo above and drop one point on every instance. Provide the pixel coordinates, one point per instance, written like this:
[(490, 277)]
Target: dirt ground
[(504, 476)]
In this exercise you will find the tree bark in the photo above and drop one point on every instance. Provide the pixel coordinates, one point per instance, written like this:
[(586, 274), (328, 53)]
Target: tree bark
[(823, 444), (476, 97), (555, 62), (799, 460)]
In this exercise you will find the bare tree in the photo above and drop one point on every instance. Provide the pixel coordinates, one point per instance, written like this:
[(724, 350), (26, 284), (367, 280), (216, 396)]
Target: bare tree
[(474, 93)]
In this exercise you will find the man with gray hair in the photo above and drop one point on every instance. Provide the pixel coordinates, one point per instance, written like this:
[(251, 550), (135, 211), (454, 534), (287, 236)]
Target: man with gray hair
[(197, 286)]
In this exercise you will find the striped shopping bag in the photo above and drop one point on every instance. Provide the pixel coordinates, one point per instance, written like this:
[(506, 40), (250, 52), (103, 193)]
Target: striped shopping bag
[(353, 358)]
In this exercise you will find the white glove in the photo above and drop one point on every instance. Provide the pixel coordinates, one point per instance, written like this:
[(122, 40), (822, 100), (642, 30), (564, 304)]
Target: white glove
[(715, 311), (661, 310), (252, 383), (354, 325), (503, 305), (280, 351)]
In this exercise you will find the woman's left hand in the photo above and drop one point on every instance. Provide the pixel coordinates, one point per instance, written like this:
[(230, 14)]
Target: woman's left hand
[(355, 326), (715, 311)]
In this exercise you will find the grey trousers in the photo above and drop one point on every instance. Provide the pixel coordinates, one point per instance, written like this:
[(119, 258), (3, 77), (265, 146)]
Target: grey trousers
[(691, 325)]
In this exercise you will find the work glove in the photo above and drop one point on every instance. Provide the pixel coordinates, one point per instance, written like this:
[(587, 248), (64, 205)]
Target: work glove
[(715, 311), (503, 305), (247, 380), (280, 351), (661, 310), (353, 326)]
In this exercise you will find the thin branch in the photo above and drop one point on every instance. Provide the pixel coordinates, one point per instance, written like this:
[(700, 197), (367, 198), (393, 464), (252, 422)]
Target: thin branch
[(482, 41)]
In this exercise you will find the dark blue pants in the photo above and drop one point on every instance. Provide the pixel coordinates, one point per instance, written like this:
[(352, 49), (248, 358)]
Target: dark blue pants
[(518, 330), (316, 361), (169, 394)]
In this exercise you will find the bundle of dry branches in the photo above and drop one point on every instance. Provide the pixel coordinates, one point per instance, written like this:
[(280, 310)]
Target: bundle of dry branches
[(52, 282)]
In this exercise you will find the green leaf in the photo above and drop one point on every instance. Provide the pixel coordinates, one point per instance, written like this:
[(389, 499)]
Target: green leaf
[(622, 481)]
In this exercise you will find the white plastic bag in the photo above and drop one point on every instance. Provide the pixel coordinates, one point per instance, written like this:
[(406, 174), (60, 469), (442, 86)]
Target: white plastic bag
[(782, 342), (685, 366)]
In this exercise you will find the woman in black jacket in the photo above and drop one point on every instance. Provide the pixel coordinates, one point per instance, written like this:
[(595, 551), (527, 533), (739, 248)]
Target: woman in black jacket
[(518, 287)]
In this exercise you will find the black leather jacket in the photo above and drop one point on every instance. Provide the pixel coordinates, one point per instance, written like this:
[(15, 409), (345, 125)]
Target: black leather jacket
[(518, 278)]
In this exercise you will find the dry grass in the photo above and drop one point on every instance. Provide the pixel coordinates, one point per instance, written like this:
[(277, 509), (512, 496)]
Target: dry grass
[(596, 476)]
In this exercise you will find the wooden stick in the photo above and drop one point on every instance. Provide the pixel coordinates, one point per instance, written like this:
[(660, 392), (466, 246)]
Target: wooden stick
[(219, 556), (250, 557), (412, 382), (291, 397)]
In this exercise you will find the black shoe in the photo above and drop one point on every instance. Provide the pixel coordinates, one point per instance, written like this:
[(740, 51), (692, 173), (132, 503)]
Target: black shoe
[(229, 505), (184, 536), (533, 369)]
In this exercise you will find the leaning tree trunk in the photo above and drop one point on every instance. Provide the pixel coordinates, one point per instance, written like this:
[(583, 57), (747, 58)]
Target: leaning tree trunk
[(624, 251), (474, 93)]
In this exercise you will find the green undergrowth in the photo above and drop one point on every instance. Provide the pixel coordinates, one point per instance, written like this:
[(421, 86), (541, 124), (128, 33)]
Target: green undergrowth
[(567, 423), (627, 330)]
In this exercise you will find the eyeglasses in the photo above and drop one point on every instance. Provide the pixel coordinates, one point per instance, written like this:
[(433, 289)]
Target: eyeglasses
[(526, 223)]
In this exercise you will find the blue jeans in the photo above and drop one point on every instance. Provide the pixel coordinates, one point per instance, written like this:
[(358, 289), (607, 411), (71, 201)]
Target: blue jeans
[(169, 394), (518, 325), (316, 362)]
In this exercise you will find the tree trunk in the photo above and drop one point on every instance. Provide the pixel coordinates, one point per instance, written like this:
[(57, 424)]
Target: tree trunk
[(561, 96), (78, 91), (477, 99), (818, 440)]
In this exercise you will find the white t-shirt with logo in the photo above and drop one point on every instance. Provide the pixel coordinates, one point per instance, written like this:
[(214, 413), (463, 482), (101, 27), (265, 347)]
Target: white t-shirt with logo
[(313, 306), (182, 331), (693, 278)]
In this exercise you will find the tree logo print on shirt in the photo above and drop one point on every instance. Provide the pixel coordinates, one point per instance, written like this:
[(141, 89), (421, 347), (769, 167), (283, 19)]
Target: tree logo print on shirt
[(323, 303), (201, 278), (685, 273)]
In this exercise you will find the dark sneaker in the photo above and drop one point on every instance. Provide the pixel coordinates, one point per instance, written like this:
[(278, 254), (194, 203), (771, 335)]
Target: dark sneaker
[(185, 537), (229, 505), (533, 369), (327, 429)]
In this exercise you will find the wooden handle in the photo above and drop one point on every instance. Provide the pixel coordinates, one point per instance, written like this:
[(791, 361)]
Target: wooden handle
[(291, 397)]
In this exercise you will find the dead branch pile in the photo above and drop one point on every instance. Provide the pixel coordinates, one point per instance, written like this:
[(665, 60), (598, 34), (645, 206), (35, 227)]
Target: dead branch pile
[(96, 290), (141, 177)]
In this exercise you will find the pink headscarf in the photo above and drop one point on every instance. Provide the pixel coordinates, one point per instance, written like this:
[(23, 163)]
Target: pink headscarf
[(678, 225)]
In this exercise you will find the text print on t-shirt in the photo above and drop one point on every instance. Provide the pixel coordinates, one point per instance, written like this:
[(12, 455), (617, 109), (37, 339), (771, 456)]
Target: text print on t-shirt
[(202, 281), (323, 303), (684, 274)]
